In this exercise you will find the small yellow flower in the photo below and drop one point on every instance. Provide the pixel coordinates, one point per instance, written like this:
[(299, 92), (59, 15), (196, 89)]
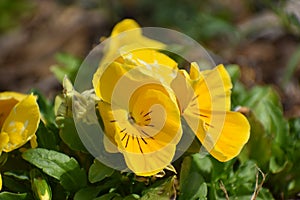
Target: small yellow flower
[(19, 120), (204, 100)]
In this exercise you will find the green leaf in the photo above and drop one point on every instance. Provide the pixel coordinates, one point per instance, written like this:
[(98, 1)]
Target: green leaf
[(3, 159), (46, 137), (12, 196), (69, 67), (69, 135), (256, 146), (15, 185), (58, 166), (265, 104), (110, 196), (163, 190), (234, 72), (88, 193), (132, 197), (99, 171), (18, 174), (192, 184)]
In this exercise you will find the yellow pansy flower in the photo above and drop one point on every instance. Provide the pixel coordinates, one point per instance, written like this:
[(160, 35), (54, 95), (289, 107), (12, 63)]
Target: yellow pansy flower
[(19, 120), (147, 130), (204, 100), (139, 110)]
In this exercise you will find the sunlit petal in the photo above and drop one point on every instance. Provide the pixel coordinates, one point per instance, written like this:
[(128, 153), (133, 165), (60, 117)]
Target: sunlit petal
[(21, 123), (228, 142), (145, 133)]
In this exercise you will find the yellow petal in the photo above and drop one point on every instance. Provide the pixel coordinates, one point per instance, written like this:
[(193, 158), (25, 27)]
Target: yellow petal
[(148, 57), (134, 36), (33, 142), (126, 37), (215, 89), (4, 139), (21, 123), (146, 133), (0, 182), (234, 134), (15, 95), (124, 25), (109, 128), (105, 80), (138, 65), (6, 106)]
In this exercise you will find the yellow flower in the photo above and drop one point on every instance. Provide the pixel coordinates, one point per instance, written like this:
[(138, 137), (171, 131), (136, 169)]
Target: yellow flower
[(19, 120), (146, 131), (204, 100), (139, 110)]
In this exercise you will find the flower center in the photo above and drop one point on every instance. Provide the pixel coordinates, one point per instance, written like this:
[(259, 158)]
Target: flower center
[(142, 118)]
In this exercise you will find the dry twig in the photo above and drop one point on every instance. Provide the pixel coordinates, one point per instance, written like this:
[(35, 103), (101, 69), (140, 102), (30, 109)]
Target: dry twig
[(258, 186), (224, 190)]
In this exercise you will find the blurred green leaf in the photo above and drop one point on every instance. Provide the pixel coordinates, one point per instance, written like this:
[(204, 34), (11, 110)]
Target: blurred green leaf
[(15, 185), (69, 67), (3, 158), (88, 193), (12, 196), (47, 137), (12, 13), (68, 133), (111, 196), (18, 174), (265, 104), (192, 184), (99, 171), (234, 72), (132, 197), (163, 190), (59, 166), (256, 146)]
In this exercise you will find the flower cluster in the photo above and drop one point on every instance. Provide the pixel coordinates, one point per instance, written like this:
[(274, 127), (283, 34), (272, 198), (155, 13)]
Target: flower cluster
[(19, 120), (145, 95)]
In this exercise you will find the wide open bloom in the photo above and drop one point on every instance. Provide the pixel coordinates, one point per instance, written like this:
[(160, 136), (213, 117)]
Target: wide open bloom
[(19, 119), (204, 101), (139, 110), (144, 95)]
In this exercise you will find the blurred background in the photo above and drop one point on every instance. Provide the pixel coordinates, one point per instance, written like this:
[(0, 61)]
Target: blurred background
[(261, 36)]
